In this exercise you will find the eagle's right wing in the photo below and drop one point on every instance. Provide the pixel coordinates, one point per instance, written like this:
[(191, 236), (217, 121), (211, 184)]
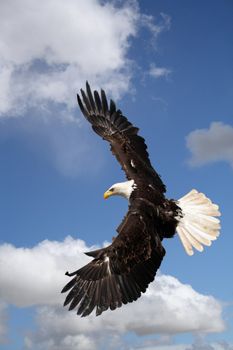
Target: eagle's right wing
[(119, 273)]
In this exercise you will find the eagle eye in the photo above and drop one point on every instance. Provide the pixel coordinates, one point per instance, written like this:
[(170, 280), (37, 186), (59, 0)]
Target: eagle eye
[(111, 189)]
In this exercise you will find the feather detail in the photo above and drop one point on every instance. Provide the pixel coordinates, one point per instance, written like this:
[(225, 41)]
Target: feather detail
[(128, 147), (198, 225)]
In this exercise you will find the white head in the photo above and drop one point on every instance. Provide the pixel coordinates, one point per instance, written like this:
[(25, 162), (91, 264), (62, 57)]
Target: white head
[(123, 189)]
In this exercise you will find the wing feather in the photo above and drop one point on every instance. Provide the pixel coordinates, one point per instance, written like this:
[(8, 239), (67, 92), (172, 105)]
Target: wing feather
[(97, 101), (104, 103), (91, 99), (119, 273), (112, 107), (128, 147)]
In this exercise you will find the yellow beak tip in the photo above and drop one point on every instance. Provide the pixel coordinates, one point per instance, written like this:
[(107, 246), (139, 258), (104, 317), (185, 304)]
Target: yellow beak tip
[(106, 195)]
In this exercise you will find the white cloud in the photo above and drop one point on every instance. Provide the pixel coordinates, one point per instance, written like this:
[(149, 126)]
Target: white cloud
[(35, 276), (163, 347), (156, 28), (223, 345), (168, 307), (158, 72), (154, 313), (49, 49), (211, 145), (66, 342), (196, 346)]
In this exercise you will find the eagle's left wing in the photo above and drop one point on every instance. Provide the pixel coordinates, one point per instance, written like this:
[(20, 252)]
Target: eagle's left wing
[(129, 148)]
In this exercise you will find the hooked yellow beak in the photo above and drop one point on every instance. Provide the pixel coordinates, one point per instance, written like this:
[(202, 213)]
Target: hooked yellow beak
[(107, 194)]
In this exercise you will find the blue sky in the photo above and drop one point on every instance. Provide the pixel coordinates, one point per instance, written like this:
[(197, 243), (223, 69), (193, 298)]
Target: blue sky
[(168, 65)]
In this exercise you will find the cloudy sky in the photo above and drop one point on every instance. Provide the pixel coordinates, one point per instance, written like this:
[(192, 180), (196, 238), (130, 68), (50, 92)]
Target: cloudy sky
[(168, 65)]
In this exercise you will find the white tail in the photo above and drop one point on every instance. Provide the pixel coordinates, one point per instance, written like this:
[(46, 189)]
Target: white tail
[(198, 225)]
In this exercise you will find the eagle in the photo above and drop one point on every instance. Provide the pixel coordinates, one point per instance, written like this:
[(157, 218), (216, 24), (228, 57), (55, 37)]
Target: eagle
[(119, 273)]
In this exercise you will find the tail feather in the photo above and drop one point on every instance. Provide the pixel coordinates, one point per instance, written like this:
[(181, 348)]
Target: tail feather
[(198, 225), (193, 241)]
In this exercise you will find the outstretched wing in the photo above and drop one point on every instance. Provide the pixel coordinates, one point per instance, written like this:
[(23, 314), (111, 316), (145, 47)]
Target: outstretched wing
[(119, 273), (128, 147)]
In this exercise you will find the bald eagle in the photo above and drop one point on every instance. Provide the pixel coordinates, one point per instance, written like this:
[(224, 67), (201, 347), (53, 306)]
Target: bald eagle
[(120, 272)]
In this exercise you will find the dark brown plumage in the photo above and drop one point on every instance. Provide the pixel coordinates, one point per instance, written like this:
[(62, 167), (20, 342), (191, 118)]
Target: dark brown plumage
[(119, 273)]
